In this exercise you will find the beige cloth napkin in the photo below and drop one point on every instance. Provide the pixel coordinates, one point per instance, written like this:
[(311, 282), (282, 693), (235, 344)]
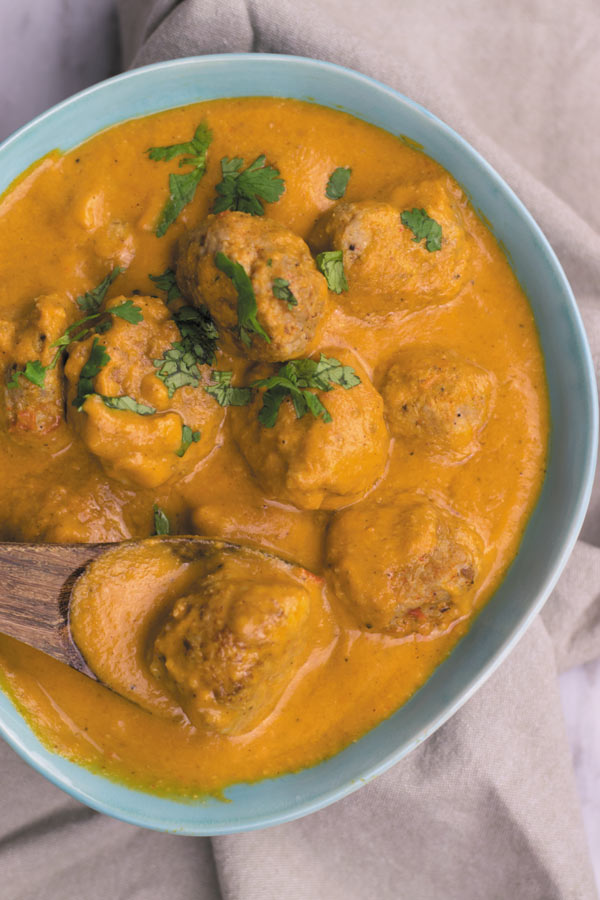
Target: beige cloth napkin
[(486, 808)]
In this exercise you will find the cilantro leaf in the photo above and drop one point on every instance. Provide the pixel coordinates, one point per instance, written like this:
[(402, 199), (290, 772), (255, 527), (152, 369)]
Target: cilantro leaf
[(331, 264), (247, 190), (166, 282), (295, 379), (281, 290), (128, 404), (34, 372), (198, 331), (331, 370), (272, 400), (224, 393), (92, 300), (182, 187), (246, 306), (423, 227), (178, 366), (127, 311), (338, 182), (97, 360), (197, 147), (161, 521), (188, 437)]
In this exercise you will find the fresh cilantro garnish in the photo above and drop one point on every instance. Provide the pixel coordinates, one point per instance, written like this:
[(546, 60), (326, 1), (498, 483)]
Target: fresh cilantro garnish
[(129, 404), (198, 331), (161, 521), (127, 311), (34, 371), (224, 393), (338, 182), (187, 437), (331, 264), (246, 306), (166, 282), (423, 227), (248, 190), (281, 290), (91, 301), (182, 187), (97, 360), (178, 366), (295, 380)]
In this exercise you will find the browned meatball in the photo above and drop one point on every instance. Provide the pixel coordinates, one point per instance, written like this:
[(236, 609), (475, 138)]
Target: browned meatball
[(148, 447), (30, 408), (437, 402), (227, 651), (312, 463), (381, 257), (407, 567), (275, 259)]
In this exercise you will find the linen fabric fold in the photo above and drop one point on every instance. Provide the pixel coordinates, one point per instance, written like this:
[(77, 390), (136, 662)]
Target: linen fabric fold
[(486, 808)]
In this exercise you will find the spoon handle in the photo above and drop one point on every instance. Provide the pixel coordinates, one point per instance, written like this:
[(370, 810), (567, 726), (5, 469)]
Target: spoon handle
[(35, 588)]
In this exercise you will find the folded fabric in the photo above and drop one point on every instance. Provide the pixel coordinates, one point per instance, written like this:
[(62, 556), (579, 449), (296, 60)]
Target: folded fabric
[(486, 808)]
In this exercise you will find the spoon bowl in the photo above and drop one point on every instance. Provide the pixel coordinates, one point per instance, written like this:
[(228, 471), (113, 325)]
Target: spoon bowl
[(54, 598)]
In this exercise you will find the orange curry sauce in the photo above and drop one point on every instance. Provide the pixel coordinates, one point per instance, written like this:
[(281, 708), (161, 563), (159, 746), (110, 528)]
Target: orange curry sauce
[(75, 216)]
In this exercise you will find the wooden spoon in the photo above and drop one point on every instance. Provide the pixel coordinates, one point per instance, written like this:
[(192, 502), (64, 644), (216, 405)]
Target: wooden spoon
[(36, 581)]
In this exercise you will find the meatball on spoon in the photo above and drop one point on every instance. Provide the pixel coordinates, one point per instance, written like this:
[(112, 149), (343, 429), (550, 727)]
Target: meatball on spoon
[(182, 626)]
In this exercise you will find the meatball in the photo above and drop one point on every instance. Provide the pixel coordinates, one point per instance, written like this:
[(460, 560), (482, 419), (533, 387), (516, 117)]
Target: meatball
[(436, 401), (169, 435), (403, 568), (227, 651), (309, 462), (382, 257), (275, 259), (30, 408)]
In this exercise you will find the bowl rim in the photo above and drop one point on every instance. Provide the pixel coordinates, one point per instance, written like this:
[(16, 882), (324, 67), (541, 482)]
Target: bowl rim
[(15, 729)]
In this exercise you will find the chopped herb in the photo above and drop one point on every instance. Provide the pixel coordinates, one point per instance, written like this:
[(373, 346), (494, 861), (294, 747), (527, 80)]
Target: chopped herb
[(295, 380), (198, 331), (91, 301), (281, 290), (182, 187), (161, 521), (246, 307), (166, 282), (331, 264), (128, 404), (187, 437), (423, 227), (224, 393), (97, 360), (178, 366), (34, 371), (127, 311), (247, 190), (338, 182)]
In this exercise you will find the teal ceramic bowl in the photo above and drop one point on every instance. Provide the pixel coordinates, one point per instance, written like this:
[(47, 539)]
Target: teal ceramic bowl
[(553, 527)]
